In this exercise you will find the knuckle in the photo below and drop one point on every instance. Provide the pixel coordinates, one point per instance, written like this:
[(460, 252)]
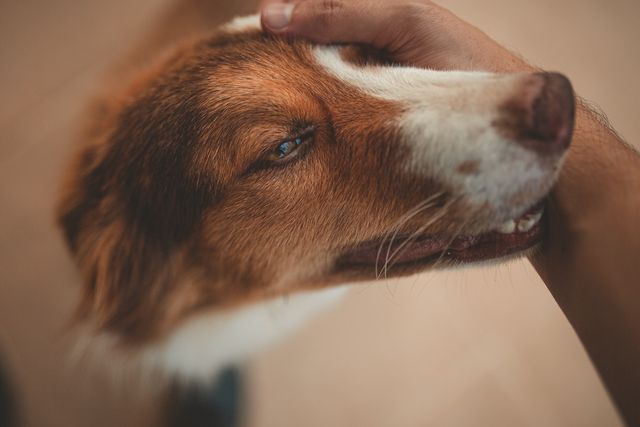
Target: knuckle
[(411, 15), (328, 11), (410, 10), (332, 6)]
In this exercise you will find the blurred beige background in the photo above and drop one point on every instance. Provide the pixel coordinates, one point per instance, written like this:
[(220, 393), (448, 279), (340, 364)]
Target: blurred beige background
[(477, 347)]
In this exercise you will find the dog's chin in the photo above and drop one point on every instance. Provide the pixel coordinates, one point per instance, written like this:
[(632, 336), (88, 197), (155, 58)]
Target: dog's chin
[(409, 254)]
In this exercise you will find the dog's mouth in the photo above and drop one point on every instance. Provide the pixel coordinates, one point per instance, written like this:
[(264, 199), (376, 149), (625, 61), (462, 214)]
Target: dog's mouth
[(407, 253)]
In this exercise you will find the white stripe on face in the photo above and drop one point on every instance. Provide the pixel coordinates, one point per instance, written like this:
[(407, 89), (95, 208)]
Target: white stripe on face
[(448, 122)]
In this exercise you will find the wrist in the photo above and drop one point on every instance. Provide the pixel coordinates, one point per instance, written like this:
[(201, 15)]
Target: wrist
[(592, 213)]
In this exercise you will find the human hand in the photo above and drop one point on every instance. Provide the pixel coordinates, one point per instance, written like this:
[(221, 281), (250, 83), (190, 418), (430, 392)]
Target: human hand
[(589, 259), (418, 33)]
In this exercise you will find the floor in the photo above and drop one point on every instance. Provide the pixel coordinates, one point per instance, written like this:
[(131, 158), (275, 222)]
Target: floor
[(477, 347)]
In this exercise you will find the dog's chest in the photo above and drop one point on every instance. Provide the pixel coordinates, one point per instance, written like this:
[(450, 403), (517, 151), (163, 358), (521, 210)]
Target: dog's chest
[(205, 344)]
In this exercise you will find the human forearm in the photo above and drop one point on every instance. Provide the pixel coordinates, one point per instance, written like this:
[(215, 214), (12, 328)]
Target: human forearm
[(591, 259), (591, 256)]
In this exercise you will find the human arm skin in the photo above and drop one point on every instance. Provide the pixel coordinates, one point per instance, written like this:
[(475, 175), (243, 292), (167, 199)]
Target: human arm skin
[(590, 260)]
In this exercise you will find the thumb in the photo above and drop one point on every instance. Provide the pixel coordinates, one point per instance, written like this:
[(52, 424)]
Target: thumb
[(333, 21)]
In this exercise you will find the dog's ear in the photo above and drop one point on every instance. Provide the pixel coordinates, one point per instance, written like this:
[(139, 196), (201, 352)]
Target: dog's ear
[(130, 206), (125, 246), (124, 275)]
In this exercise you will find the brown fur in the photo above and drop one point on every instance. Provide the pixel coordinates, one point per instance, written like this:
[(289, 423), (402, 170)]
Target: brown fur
[(177, 202), (169, 207)]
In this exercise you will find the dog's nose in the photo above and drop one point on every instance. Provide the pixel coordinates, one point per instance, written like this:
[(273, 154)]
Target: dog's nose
[(541, 116)]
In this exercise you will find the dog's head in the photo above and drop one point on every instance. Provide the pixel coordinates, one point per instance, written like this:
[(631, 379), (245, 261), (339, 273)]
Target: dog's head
[(247, 166)]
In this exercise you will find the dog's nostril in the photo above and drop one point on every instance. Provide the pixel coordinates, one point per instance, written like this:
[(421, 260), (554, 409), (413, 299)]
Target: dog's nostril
[(541, 118), (552, 113)]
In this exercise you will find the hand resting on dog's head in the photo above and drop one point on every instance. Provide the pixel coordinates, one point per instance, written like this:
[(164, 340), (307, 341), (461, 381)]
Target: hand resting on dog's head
[(589, 258)]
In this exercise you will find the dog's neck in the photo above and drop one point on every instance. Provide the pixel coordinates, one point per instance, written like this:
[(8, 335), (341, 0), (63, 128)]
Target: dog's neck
[(210, 341)]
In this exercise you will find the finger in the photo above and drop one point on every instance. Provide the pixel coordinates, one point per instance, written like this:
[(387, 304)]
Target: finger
[(332, 21), (263, 3)]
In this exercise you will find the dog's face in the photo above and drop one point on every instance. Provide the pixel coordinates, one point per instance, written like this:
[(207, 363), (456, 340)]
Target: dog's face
[(248, 166)]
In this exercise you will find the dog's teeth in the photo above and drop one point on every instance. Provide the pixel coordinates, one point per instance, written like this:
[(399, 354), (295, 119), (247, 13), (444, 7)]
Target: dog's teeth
[(507, 227), (522, 225), (536, 216), (528, 222)]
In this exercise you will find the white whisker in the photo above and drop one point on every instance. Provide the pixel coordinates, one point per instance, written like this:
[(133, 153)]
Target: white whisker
[(420, 207), (442, 212)]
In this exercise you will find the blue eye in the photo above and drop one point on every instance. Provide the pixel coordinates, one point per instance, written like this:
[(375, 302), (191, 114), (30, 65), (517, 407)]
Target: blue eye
[(290, 149), (285, 148)]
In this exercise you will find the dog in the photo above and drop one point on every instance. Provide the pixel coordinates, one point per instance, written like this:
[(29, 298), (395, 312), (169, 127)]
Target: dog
[(241, 182)]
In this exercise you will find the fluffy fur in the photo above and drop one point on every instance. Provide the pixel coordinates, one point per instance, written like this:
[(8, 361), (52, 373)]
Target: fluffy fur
[(188, 228)]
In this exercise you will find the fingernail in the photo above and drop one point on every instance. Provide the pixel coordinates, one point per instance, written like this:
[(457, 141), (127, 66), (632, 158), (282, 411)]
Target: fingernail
[(277, 15)]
